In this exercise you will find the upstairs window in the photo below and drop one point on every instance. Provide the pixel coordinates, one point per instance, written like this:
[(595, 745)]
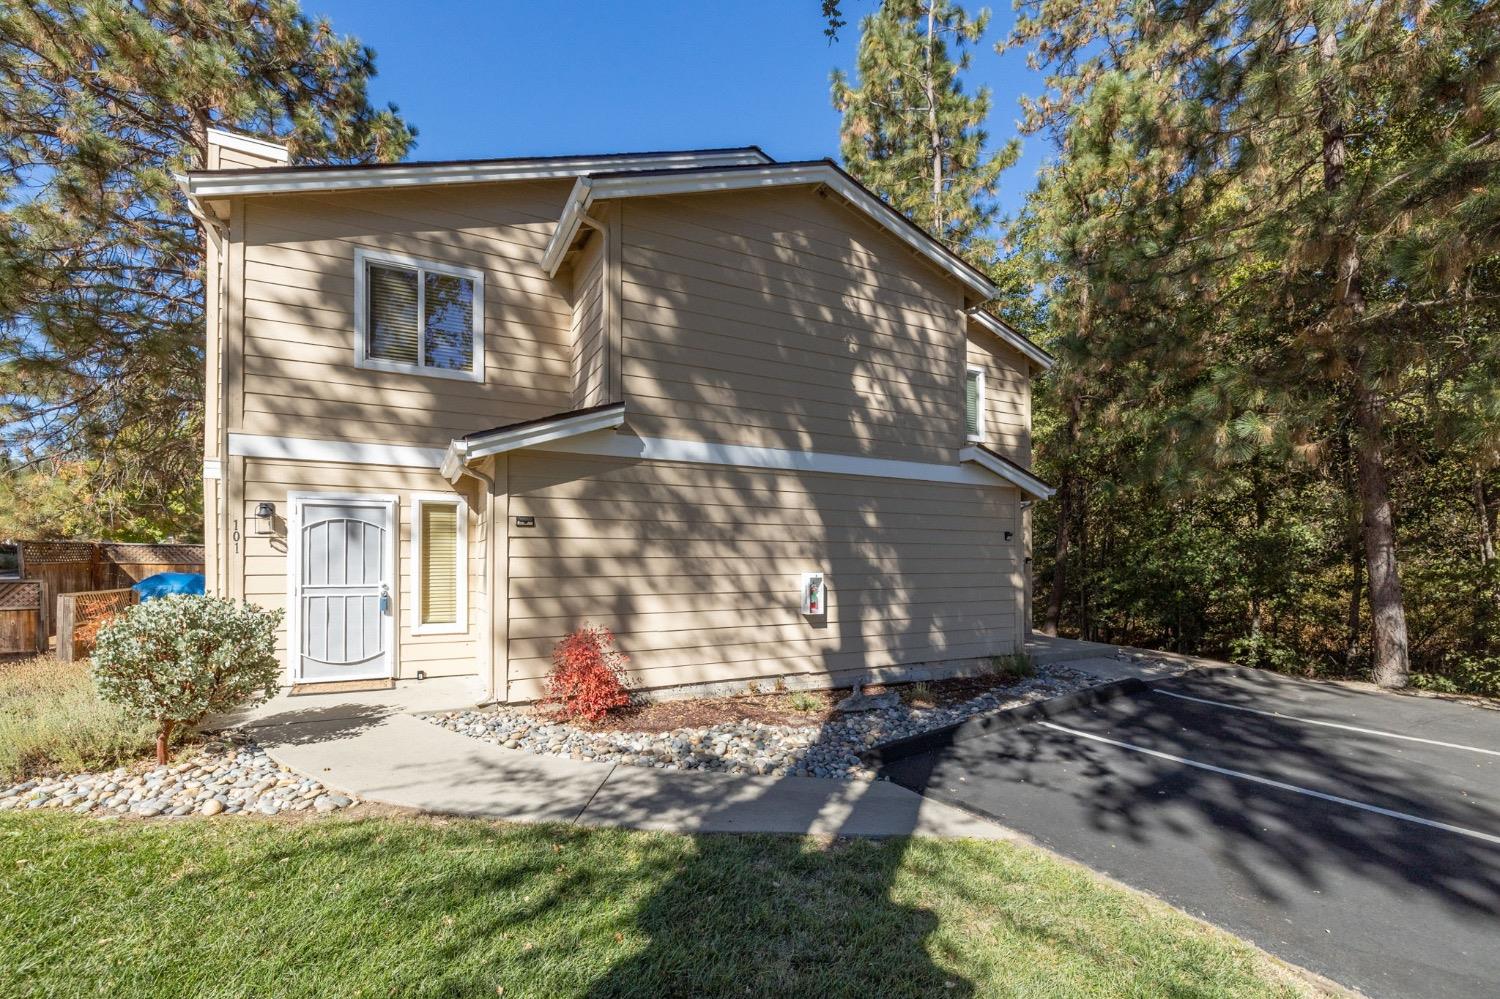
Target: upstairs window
[(974, 405), (419, 316)]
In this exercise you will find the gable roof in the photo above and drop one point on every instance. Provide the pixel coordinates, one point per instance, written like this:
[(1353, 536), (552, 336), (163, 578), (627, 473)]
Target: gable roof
[(648, 183), (529, 433), (999, 464), (366, 176), (1000, 328)]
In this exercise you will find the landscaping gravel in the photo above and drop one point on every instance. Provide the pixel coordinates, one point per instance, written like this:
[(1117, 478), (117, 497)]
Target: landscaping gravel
[(831, 749), (228, 776)]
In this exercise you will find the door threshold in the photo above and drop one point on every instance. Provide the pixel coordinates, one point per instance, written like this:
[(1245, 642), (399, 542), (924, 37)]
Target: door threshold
[(341, 686)]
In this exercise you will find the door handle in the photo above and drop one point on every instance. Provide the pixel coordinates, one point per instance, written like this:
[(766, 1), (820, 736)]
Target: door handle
[(385, 599)]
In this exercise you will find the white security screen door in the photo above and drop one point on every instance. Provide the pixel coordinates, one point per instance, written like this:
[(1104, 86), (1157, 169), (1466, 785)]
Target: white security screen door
[(343, 548)]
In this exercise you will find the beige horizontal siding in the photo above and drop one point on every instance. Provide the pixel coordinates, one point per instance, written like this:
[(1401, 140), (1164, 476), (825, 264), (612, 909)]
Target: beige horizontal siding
[(590, 344), (1007, 396), (263, 560), (697, 568), (779, 319), (296, 375)]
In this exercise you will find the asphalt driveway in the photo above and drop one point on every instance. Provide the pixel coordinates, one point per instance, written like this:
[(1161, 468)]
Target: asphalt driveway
[(1354, 833)]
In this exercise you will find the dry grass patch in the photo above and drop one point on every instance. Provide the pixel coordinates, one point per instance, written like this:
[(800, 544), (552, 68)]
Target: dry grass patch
[(52, 721)]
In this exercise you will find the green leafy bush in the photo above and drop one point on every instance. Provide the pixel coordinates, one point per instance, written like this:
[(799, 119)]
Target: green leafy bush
[(1464, 674), (801, 700), (177, 659), (1016, 666)]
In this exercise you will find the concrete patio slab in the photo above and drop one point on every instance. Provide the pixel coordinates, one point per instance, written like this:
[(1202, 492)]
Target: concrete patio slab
[(405, 761), (439, 693)]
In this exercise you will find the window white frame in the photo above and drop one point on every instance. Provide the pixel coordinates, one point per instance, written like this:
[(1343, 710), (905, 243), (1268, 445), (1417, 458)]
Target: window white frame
[(978, 435), (460, 624), (362, 261)]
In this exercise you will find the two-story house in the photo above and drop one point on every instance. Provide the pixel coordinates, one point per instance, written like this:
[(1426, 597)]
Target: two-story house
[(740, 412)]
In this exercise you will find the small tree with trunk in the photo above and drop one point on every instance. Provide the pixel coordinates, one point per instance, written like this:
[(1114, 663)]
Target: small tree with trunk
[(178, 659)]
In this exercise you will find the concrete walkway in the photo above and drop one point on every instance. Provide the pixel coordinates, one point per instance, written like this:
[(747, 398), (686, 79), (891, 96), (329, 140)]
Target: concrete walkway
[(373, 746), (403, 760)]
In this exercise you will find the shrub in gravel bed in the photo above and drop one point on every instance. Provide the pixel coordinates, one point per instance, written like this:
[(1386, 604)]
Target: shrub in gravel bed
[(831, 749), (177, 659)]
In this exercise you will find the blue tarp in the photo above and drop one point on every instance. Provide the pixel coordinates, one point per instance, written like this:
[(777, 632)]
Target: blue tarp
[(164, 583)]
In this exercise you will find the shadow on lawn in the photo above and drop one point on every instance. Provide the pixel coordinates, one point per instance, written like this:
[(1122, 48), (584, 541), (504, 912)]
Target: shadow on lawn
[(782, 916)]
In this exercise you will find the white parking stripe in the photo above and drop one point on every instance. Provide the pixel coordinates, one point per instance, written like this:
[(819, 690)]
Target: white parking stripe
[(1403, 816), (1327, 724)]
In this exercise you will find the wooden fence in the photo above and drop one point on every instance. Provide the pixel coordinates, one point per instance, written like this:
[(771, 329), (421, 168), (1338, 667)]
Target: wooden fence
[(23, 617), (87, 566), (80, 616)]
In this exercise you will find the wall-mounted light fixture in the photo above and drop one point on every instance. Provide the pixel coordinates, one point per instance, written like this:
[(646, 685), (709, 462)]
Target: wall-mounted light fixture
[(265, 513), (1007, 535)]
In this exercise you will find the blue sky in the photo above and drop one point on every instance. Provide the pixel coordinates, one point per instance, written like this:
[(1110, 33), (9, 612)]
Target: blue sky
[(528, 78)]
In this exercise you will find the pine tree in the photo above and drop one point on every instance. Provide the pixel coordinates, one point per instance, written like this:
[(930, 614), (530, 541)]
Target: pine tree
[(909, 131), (1279, 208), (101, 297)]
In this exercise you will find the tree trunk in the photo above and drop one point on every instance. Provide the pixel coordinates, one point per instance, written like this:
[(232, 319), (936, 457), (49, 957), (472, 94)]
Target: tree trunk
[(1486, 529), (163, 736), (934, 136), (1060, 564), (1387, 611)]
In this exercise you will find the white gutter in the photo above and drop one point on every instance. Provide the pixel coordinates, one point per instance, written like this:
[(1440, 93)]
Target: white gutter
[(1019, 477), (292, 180), (1031, 351), (464, 450)]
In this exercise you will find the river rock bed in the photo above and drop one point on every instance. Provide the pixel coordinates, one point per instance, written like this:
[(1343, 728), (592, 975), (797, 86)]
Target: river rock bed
[(831, 749), (226, 776)]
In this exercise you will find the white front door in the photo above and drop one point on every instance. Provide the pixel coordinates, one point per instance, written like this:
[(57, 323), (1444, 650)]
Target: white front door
[(343, 565)]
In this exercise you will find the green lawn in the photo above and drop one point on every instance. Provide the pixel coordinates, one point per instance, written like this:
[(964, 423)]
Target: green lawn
[(430, 907)]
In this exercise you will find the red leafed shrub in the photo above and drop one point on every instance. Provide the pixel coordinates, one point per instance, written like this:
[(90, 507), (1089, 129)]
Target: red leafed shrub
[(588, 675)]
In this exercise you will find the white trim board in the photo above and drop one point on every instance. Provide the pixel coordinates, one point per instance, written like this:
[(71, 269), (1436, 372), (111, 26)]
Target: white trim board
[(975, 467), (293, 180), (249, 144), (1018, 477), (463, 451), (1023, 346), (613, 445), (349, 452), (587, 190)]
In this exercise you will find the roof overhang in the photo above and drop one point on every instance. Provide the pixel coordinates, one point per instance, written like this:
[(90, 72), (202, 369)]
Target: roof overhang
[(1007, 470), (306, 179), (998, 327), (589, 189), (515, 436)]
